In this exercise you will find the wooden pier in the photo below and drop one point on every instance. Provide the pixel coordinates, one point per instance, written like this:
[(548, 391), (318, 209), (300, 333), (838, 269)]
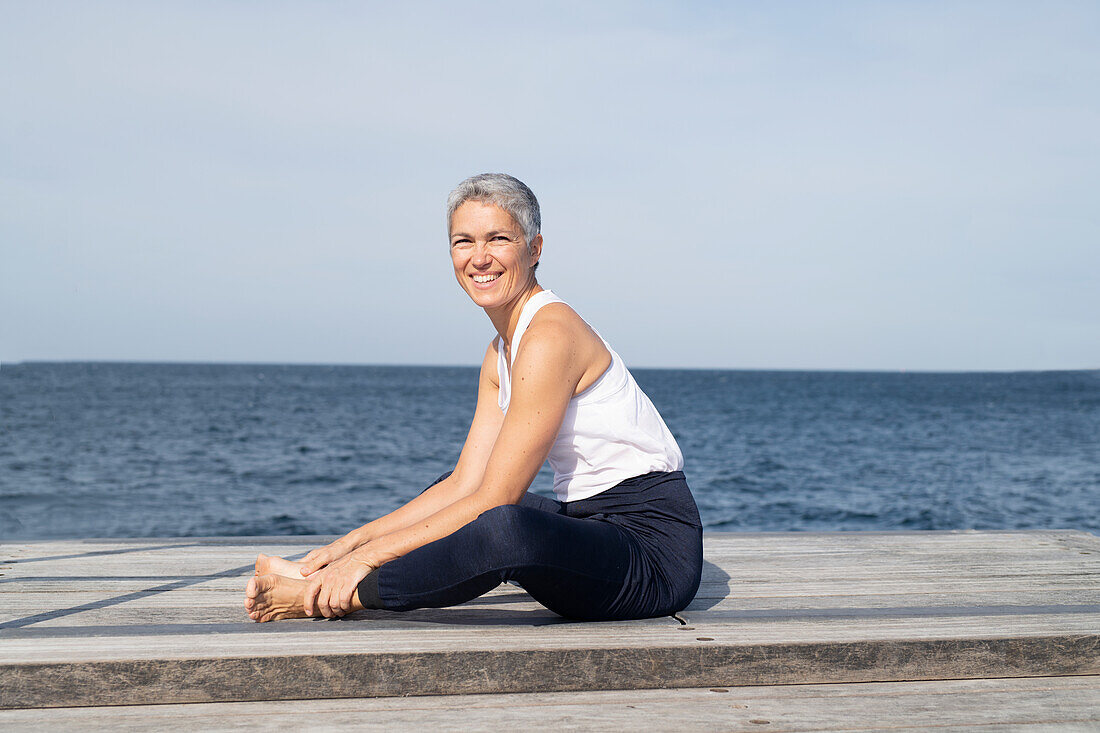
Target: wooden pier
[(800, 631)]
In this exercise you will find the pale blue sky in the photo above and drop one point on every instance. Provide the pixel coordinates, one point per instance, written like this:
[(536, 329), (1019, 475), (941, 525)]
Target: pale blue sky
[(744, 185)]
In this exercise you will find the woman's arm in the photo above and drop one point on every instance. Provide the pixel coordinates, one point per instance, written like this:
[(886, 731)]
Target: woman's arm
[(545, 375), (464, 480)]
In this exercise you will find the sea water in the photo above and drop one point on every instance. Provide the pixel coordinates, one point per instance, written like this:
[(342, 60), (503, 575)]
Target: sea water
[(124, 450)]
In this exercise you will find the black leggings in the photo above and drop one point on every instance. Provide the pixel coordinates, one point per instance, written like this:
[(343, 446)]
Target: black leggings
[(632, 551)]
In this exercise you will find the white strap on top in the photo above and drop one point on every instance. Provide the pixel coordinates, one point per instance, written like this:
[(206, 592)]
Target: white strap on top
[(530, 308), (504, 367)]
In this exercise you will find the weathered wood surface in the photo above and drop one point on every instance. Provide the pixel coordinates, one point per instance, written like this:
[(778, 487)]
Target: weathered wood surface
[(136, 621), (1021, 704)]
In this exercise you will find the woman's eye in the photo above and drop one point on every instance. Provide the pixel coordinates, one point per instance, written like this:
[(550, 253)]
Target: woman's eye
[(462, 243)]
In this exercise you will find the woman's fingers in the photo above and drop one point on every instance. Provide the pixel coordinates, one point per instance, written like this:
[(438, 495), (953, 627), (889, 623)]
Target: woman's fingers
[(345, 597), (333, 603), (327, 598), (355, 572), (342, 596), (316, 560), (307, 563), (331, 590), (319, 558), (309, 601)]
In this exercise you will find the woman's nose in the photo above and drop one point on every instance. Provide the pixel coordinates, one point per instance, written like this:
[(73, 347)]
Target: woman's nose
[(481, 255)]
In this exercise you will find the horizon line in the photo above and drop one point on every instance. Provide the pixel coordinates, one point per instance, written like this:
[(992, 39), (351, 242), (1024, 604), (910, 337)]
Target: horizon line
[(829, 370)]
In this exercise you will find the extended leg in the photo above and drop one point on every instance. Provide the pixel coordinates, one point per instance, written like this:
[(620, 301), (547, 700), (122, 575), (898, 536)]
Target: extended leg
[(578, 568)]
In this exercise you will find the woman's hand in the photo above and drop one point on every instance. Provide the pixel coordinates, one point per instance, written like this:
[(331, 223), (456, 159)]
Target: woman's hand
[(322, 556), (331, 591)]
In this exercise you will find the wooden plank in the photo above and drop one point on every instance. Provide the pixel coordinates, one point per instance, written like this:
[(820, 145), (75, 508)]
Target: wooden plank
[(466, 671), (1065, 703), (153, 642), (133, 620)]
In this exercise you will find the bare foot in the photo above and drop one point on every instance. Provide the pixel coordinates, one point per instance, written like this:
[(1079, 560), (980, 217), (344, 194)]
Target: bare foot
[(272, 565), (273, 597)]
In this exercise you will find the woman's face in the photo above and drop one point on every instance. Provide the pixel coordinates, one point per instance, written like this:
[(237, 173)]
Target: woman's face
[(492, 260)]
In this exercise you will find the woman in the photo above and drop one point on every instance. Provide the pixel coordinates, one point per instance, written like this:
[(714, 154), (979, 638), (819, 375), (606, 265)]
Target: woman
[(624, 539)]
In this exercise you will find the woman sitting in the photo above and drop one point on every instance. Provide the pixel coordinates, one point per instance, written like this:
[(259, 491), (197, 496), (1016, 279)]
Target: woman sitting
[(624, 538)]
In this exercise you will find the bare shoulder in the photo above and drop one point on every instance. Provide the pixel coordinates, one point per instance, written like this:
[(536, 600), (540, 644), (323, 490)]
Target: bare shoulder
[(559, 338), (560, 324)]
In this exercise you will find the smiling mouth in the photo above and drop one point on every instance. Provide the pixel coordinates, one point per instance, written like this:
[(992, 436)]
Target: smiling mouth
[(482, 279)]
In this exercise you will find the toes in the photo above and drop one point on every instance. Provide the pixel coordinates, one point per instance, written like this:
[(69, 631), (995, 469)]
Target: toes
[(266, 583), (250, 595)]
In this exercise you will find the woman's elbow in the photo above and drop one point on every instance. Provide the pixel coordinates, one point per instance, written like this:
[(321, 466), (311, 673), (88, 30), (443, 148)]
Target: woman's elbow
[(464, 485), (498, 496)]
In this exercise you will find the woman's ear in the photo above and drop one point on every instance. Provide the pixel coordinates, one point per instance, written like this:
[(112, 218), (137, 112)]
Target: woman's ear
[(535, 248)]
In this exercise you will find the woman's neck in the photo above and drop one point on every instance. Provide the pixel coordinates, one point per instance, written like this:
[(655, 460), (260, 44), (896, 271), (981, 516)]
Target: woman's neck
[(506, 318)]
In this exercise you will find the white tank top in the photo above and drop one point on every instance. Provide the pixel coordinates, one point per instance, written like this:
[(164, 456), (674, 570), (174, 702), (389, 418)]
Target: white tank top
[(610, 432)]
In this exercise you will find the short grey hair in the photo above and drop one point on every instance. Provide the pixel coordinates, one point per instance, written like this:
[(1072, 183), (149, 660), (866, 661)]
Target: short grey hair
[(505, 191)]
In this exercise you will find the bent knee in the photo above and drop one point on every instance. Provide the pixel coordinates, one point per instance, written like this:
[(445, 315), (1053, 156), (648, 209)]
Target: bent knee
[(503, 530), (504, 515), (505, 520)]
